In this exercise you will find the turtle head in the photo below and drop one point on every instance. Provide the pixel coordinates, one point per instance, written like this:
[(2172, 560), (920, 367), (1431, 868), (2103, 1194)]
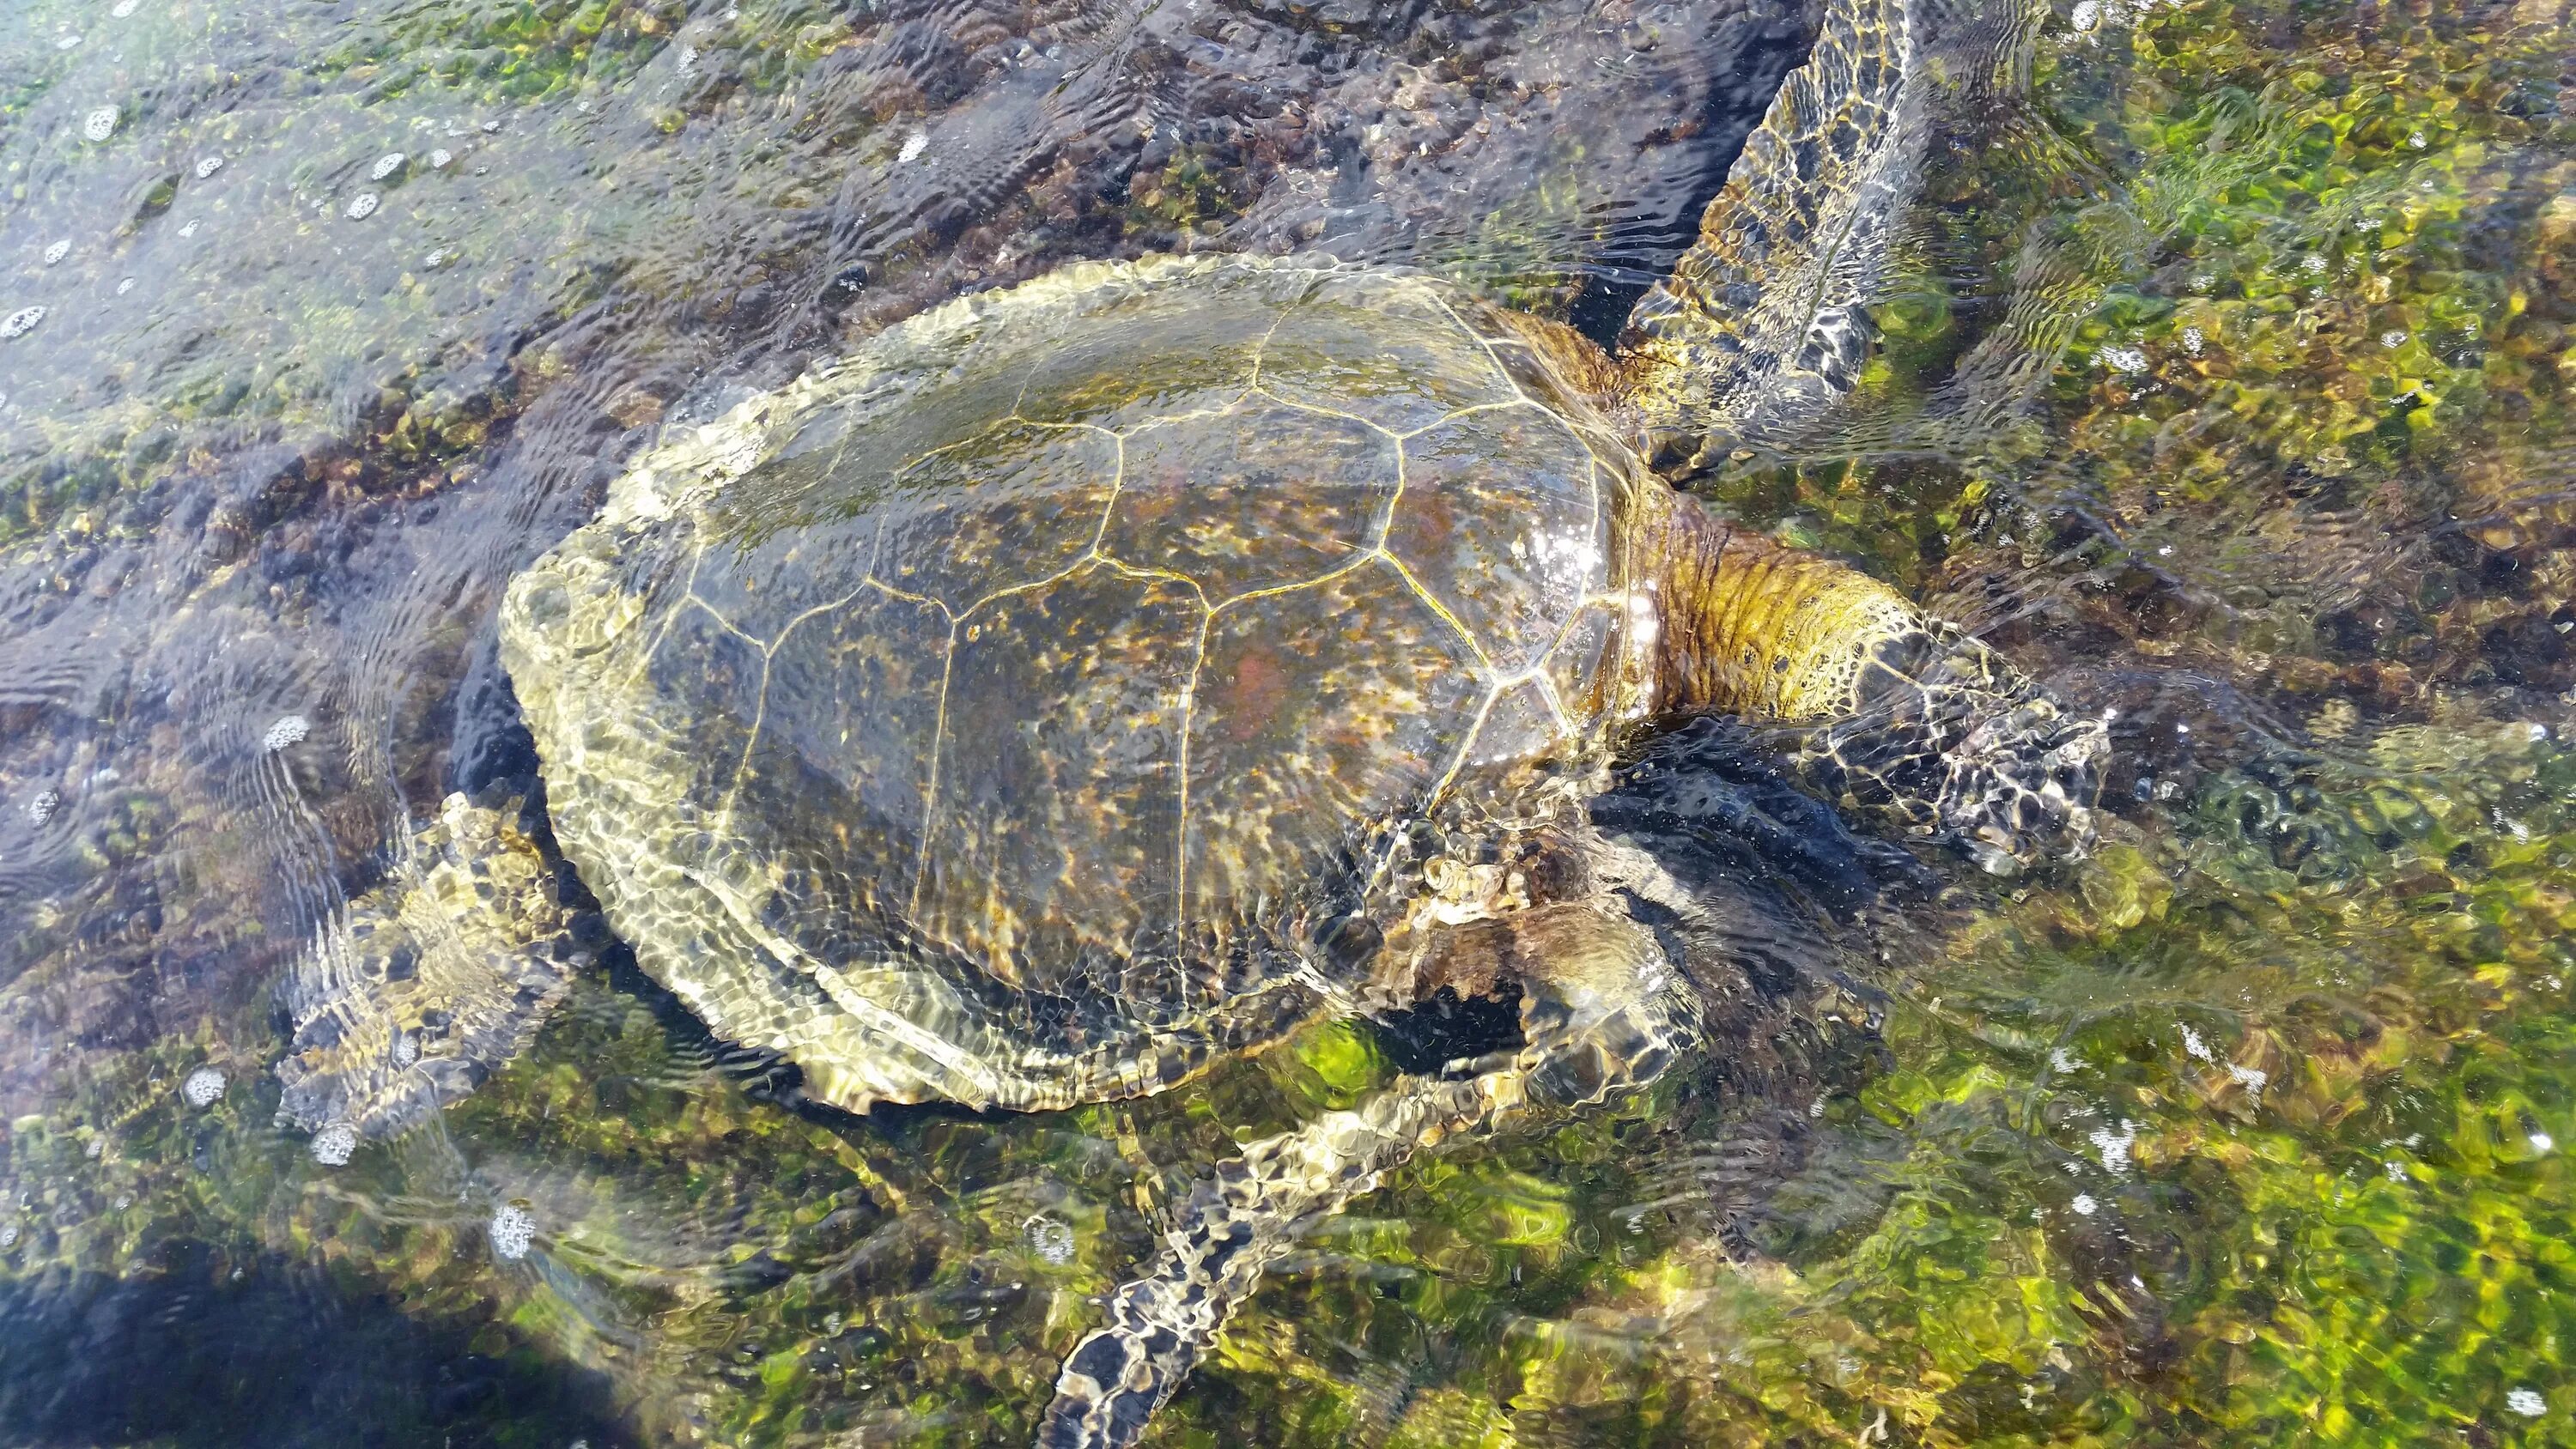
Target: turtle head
[(1889, 710), (1962, 746), (2020, 784)]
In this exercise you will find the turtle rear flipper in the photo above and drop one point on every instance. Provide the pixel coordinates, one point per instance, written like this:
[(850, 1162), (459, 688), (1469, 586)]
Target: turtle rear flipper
[(1600, 1014), (432, 980)]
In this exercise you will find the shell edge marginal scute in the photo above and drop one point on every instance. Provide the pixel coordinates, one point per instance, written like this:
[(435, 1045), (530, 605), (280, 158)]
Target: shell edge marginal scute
[(671, 470)]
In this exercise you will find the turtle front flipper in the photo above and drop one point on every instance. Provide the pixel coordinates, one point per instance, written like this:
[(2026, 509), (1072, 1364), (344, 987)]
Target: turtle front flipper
[(1601, 1013), (428, 982), (1762, 323)]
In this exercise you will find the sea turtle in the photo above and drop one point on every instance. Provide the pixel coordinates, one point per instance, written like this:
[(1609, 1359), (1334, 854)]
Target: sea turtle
[(1086, 680)]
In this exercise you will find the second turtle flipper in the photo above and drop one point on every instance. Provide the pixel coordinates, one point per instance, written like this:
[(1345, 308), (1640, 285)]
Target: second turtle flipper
[(430, 981), (1601, 1014), (1763, 323), (1944, 732)]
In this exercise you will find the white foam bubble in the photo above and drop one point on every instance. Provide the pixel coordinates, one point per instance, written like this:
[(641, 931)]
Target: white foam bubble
[(59, 250), (42, 808), (913, 146), (2114, 1146), (1050, 1238), (191, 228), (68, 42), (290, 729), (386, 165), (125, 286), (209, 167), (2526, 1402), (333, 1144), (125, 8), (439, 158), (364, 205), (2084, 1205), (9, 1236), (513, 1231), (204, 1087), (100, 124), (2129, 360), (20, 322)]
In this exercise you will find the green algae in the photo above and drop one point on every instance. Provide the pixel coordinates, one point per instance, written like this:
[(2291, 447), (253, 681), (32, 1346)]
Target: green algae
[(513, 50)]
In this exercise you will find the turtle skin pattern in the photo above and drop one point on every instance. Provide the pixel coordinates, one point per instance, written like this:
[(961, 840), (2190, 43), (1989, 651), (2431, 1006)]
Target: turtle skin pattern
[(1006, 714), (1763, 324), (409, 998)]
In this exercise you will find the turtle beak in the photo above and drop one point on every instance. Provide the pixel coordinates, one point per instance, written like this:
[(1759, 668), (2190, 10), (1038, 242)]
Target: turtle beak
[(2023, 783)]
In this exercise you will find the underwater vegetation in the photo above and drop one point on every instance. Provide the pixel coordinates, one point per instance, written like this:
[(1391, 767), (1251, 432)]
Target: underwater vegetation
[(2250, 1132), (2227, 383)]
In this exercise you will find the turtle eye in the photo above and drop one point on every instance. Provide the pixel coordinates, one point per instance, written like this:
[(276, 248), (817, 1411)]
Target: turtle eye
[(547, 605)]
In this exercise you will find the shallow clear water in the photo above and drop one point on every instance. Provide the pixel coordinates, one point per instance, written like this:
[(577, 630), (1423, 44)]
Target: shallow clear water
[(2224, 383)]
